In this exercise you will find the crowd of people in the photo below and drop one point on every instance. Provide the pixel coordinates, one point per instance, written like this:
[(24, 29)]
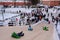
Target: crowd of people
[(34, 16)]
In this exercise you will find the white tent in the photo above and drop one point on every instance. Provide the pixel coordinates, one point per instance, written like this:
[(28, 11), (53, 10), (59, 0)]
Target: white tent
[(58, 27)]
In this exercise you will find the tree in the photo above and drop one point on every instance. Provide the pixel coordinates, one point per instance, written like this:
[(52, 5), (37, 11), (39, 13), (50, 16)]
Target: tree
[(34, 2), (14, 3)]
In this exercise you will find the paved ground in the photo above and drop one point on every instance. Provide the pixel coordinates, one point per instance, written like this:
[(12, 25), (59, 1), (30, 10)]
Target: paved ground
[(37, 34), (5, 32)]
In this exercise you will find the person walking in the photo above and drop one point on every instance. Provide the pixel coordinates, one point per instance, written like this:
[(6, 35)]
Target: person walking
[(17, 21), (56, 21), (52, 17), (20, 22)]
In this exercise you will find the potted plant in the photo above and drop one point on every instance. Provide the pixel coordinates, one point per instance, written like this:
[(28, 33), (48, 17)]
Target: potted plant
[(45, 28), (14, 35)]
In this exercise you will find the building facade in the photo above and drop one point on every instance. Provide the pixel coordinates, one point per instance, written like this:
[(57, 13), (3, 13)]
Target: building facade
[(26, 2), (51, 2), (14, 2)]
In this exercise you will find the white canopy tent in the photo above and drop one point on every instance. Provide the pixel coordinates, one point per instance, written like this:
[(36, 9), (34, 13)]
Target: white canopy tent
[(21, 9), (12, 12)]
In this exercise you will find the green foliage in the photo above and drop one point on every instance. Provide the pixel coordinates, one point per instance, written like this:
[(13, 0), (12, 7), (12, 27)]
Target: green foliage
[(14, 35), (45, 28)]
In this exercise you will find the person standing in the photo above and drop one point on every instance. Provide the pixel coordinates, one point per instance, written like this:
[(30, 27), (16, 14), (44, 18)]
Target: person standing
[(20, 22), (17, 21), (51, 14), (48, 15), (53, 19), (56, 21)]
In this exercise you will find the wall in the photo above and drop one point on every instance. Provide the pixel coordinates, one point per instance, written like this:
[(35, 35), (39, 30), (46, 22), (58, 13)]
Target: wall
[(51, 2), (16, 3), (46, 3), (11, 2)]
